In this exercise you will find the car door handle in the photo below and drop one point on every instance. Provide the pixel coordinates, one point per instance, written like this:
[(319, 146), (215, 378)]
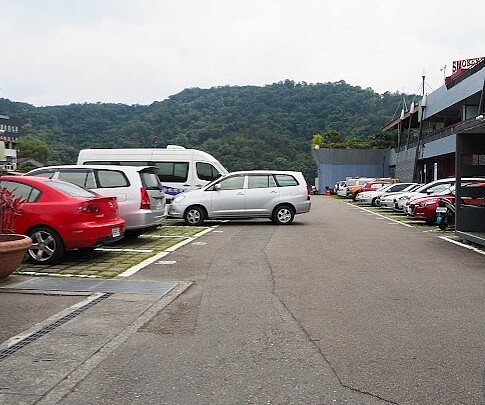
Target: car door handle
[(240, 193), (274, 192)]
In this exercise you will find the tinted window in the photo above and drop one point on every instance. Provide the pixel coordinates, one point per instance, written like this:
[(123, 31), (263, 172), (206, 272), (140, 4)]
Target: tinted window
[(261, 181), (111, 178), (150, 181), (71, 189), (232, 183), (285, 180), (44, 173), (438, 188), (83, 178), (97, 162), (133, 163), (205, 171), (172, 171), (28, 193), (399, 187)]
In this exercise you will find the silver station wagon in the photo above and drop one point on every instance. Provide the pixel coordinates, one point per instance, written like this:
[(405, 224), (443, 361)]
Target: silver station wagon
[(138, 190), (277, 195)]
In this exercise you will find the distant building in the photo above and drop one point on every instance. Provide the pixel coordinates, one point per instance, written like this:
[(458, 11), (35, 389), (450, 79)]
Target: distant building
[(9, 130), (426, 134)]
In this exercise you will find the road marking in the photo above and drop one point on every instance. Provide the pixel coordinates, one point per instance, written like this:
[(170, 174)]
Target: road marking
[(462, 244), (379, 215)]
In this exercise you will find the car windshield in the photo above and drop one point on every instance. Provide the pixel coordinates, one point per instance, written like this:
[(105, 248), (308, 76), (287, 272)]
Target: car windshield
[(71, 189)]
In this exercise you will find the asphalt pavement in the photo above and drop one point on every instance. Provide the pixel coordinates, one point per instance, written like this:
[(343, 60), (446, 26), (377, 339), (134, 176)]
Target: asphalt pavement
[(342, 306)]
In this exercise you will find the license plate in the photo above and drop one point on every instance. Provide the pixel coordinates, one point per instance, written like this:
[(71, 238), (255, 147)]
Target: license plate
[(441, 210), (115, 232)]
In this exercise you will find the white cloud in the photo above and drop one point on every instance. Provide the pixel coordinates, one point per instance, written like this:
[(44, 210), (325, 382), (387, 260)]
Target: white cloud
[(129, 51)]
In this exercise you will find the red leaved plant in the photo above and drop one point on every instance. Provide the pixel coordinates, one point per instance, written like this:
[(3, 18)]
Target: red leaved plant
[(9, 210)]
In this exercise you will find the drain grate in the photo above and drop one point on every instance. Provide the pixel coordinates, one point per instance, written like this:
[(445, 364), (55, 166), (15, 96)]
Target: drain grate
[(96, 285), (4, 353)]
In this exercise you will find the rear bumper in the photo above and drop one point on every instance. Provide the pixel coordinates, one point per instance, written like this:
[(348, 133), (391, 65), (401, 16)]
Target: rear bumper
[(142, 219)]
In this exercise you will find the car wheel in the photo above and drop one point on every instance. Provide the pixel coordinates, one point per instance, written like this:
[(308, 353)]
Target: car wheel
[(373, 202), (194, 216), (283, 215), (47, 246)]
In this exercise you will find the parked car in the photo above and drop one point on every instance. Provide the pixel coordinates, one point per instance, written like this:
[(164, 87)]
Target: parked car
[(386, 200), (59, 215), (278, 195), (140, 195), (391, 200), (338, 186), (342, 189), (355, 185), (370, 197), (424, 208), (433, 187)]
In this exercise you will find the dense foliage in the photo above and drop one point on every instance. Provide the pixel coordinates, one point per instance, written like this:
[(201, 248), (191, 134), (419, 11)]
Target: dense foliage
[(269, 127)]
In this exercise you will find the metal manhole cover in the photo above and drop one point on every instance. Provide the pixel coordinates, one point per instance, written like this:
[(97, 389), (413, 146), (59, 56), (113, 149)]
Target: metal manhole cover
[(90, 285)]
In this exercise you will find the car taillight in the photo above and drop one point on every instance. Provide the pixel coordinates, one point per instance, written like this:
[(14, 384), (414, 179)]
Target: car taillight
[(90, 208), (145, 199)]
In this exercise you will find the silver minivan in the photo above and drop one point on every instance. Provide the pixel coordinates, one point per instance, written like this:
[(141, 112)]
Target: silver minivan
[(277, 195), (139, 192)]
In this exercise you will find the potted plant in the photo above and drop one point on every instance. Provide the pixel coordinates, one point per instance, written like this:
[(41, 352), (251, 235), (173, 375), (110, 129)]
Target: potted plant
[(12, 246)]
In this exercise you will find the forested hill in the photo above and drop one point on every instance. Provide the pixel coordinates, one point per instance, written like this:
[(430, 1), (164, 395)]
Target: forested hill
[(244, 127)]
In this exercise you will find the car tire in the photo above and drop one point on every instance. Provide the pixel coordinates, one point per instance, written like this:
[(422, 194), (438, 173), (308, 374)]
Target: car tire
[(194, 216), (47, 246), (283, 215), (373, 202)]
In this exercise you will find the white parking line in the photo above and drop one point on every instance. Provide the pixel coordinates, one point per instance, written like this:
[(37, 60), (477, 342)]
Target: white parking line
[(462, 244), (158, 256), (379, 215)]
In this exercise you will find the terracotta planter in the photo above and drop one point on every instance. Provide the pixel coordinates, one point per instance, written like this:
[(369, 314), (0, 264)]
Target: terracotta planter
[(12, 252)]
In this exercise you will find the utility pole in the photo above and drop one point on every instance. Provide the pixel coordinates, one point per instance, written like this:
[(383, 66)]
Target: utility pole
[(420, 132)]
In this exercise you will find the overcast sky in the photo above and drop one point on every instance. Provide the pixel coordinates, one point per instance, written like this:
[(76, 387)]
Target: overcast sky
[(139, 51)]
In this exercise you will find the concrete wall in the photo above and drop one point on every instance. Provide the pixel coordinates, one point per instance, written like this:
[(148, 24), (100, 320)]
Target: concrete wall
[(337, 164)]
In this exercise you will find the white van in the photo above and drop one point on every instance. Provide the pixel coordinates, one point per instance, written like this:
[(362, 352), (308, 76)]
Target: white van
[(179, 169)]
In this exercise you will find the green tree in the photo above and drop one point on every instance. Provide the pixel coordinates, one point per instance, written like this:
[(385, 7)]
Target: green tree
[(31, 147)]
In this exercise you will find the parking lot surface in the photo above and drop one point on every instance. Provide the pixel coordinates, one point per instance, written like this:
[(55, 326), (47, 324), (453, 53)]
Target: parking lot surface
[(343, 306)]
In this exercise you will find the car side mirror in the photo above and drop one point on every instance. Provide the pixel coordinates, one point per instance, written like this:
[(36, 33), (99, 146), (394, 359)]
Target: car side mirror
[(217, 187)]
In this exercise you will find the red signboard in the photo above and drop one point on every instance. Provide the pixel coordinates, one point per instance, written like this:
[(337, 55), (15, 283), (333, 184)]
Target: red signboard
[(460, 66)]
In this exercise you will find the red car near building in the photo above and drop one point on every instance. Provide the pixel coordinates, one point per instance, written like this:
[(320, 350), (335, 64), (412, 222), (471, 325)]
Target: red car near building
[(425, 208)]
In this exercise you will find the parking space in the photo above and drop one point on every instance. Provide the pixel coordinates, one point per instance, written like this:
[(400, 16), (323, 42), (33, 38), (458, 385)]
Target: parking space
[(401, 218), (122, 258)]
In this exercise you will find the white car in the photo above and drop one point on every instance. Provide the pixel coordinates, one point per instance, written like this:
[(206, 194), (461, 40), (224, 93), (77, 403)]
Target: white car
[(370, 197), (139, 192), (391, 200), (433, 187), (277, 195)]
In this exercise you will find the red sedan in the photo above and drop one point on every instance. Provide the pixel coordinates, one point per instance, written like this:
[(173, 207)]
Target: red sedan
[(425, 208), (58, 215)]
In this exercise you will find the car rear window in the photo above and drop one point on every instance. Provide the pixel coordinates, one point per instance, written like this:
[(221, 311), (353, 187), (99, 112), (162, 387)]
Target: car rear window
[(285, 180), (111, 178), (150, 181), (71, 189)]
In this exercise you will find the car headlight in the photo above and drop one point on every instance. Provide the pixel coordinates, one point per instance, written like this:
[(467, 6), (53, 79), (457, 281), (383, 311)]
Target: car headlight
[(179, 198)]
